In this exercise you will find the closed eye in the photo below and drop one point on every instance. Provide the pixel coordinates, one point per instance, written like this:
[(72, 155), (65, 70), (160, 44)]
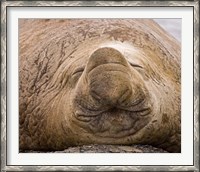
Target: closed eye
[(78, 70), (136, 65), (141, 70)]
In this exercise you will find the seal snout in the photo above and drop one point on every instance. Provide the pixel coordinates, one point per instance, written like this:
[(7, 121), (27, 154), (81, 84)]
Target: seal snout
[(108, 82), (108, 76)]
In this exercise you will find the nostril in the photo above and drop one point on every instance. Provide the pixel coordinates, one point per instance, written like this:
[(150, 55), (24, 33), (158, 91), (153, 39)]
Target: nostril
[(95, 95), (113, 110)]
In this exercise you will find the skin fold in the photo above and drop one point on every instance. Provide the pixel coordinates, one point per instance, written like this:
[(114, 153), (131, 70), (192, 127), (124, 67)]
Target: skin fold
[(98, 81)]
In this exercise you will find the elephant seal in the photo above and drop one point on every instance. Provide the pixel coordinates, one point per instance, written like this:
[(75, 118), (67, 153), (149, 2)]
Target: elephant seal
[(98, 81)]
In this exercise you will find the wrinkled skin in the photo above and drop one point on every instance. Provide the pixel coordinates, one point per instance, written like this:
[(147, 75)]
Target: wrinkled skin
[(106, 81)]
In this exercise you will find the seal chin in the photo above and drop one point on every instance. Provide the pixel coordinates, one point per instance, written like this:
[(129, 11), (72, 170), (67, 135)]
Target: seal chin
[(114, 122)]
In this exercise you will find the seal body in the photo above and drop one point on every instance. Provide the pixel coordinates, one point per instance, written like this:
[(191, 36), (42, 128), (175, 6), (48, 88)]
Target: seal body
[(98, 81)]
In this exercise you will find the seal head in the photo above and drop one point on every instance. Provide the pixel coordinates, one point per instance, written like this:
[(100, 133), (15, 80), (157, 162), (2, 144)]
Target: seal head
[(110, 98)]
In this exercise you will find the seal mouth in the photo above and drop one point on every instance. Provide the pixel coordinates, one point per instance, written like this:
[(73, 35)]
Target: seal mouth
[(141, 112), (114, 122)]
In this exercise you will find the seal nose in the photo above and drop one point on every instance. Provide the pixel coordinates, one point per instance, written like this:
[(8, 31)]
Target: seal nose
[(108, 76)]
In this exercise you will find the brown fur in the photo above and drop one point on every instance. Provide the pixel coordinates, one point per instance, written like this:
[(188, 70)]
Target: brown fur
[(69, 94)]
